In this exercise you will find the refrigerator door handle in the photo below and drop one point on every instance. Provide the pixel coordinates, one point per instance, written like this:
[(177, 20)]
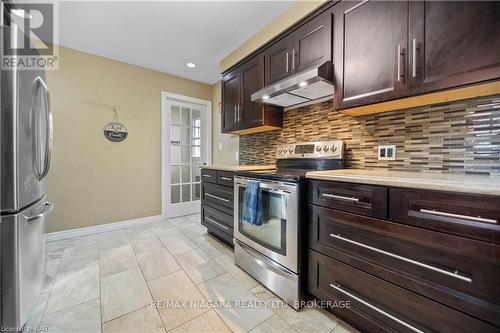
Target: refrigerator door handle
[(47, 208), (49, 129), (41, 88)]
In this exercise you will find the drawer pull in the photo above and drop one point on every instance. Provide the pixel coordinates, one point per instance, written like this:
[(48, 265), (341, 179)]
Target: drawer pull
[(459, 216), (382, 312), (220, 225), (207, 175), (226, 178), (216, 197), (453, 274), (340, 197)]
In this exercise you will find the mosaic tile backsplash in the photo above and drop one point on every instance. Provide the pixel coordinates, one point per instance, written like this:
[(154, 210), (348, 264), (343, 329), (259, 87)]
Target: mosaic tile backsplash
[(458, 137)]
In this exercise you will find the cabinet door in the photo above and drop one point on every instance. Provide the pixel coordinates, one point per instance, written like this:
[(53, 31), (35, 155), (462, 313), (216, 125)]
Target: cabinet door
[(370, 49), (252, 79), (312, 42), (277, 59), (453, 43), (230, 97)]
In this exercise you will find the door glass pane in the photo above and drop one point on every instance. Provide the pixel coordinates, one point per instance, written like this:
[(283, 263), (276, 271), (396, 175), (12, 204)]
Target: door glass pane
[(196, 191), (186, 193), (175, 115), (175, 176), (185, 155), (175, 135), (185, 135), (195, 118), (186, 177), (196, 174), (175, 194), (185, 115), (272, 232)]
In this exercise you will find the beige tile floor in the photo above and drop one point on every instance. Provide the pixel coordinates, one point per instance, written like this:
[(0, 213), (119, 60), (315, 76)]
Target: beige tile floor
[(120, 281)]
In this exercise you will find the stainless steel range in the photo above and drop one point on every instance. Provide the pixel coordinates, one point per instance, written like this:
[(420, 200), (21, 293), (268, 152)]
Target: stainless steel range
[(272, 251)]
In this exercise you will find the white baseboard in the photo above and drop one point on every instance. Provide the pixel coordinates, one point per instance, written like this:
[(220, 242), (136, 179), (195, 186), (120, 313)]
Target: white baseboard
[(60, 235)]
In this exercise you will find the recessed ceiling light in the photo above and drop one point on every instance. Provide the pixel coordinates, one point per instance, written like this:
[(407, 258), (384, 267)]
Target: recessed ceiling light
[(302, 84), (265, 97), (191, 65)]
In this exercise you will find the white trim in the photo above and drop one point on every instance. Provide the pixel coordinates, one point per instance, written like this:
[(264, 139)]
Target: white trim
[(60, 235), (164, 154)]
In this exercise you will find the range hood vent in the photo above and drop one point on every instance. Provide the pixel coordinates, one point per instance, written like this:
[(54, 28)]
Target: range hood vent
[(306, 87)]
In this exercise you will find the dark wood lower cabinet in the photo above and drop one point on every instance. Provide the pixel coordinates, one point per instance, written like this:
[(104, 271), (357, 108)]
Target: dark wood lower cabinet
[(413, 273), (383, 306), (217, 196)]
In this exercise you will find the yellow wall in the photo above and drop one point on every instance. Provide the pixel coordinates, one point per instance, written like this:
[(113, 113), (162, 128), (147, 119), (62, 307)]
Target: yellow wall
[(93, 181), (225, 146), (293, 14)]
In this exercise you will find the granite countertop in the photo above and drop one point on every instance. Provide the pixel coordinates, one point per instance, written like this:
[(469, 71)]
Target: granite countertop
[(479, 184), (227, 167)]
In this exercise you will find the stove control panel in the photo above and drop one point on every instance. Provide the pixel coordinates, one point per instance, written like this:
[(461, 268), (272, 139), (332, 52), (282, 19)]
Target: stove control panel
[(319, 149)]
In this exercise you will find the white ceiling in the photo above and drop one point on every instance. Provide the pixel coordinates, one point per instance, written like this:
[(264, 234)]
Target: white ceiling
[(163, 35)]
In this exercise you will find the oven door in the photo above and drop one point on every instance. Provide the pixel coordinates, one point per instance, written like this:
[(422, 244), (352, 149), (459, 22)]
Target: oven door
[(277, 237)]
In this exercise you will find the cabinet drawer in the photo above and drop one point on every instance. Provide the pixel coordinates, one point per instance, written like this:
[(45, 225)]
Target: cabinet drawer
[(225, 178), (208, 175), (395, 307), (457, 271), (361, 199), (218, 196), (217, 222), (217, 217), (468, 215)]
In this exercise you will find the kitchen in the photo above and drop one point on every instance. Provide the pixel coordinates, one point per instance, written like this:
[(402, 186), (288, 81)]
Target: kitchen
[(324, 167)]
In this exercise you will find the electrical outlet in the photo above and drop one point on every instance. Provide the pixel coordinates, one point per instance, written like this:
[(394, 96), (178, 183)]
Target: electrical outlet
[(387, 152), (236, 155), (220, 145)]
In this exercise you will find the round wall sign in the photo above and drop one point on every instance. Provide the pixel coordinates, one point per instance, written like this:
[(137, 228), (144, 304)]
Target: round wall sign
[(115, 132)]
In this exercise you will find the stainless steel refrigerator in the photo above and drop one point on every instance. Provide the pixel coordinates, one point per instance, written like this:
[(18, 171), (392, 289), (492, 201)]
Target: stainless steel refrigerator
[(26, 142)]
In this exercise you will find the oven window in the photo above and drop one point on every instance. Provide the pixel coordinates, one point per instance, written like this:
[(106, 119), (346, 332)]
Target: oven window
[(272, 233)]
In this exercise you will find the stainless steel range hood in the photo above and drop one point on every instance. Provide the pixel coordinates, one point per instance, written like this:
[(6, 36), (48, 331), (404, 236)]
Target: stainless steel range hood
[(311, 85)]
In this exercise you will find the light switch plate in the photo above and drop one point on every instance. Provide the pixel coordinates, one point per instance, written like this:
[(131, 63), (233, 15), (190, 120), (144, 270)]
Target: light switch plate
[(387, 152)]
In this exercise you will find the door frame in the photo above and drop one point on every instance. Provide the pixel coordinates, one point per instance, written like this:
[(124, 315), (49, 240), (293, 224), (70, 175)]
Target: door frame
[(164, 147)]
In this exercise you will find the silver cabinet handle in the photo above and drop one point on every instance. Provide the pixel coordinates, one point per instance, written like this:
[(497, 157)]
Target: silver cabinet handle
[(216, 197), (207, 175), (286, 63), (458, 216), (238, 111), (373, 307), (234, 114), (225, 178), (414, 57), (398, 59), (220, 225), (340, 197), (293, 59), (411, 261)]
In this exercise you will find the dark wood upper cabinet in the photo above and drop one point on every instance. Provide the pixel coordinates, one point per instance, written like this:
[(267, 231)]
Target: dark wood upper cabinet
[(230, 98), (308, 45), (453, 43), (277, 60), (252, 79), (240, 114), (370, 48), (312, 42)]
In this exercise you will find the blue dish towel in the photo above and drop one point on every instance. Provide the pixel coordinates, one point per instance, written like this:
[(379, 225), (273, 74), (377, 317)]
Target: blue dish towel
[(252, 203)]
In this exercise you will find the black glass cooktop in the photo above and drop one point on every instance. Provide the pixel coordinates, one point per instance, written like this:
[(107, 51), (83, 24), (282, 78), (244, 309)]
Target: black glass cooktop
[(293, 171)]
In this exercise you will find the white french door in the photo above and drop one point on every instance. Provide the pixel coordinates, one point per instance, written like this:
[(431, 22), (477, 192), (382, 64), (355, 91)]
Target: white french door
[(187, 143)]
